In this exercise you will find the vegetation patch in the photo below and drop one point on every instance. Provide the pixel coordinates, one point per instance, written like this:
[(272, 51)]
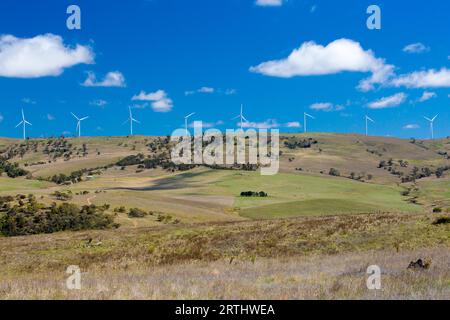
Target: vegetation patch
[(26, 217)]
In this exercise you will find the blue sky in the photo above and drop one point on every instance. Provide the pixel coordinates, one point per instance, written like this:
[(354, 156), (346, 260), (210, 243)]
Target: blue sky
[(168, 58)]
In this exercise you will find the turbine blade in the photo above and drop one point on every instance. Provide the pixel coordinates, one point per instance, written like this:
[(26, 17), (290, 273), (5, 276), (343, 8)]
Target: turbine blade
[(84, 118), (19, 123), (23, 115), (238, 116), (243, 118), (135, 120), (190, 115), (428, 119), (27, 122), (370, 119), (75, 116), (434, 117), (126, 121)]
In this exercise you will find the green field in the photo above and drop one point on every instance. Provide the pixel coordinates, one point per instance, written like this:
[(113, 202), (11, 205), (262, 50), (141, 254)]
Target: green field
[(299, 195)]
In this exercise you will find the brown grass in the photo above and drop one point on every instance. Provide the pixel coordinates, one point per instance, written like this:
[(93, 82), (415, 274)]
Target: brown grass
[(323, 258)]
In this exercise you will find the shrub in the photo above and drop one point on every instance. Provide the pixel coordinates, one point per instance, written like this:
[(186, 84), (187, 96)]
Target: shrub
[(35, 218), (254, 194), (334, 172), (442, 220), (120, 209), (136, 213)]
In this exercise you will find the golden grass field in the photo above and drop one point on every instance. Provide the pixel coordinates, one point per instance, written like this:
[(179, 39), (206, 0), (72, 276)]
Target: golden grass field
[(301, 258), (313, 237)]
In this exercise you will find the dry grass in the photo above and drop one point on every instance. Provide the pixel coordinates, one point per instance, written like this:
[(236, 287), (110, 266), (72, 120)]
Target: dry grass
[(321, 257), (313, 277)]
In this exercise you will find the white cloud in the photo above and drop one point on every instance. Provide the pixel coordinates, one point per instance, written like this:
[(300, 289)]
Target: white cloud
[(338, 56), (269, 3), (293, 124), (41, 56), (208, 124), (112, 79), (388, 102), (411, 126), (98, 103), (427, 96), (326, 106), (50, 117), (1, 118), (210, 90), (200, 90), (159, 100), (28, 101), (270, 124), (230, 92), (416, 48), (206, 90), (423, 79)]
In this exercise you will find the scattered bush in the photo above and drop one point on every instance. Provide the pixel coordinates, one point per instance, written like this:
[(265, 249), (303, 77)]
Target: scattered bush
[(442, 220), (137, 213), (261, 194), (334, 172), (34, 218)]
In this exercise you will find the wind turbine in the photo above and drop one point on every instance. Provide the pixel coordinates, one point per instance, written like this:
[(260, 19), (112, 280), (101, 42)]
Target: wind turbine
[(241, 116), (367, 124), (131, 119), (431, 125), (305, 116), (24, 123), (186, 122), (79, 123)]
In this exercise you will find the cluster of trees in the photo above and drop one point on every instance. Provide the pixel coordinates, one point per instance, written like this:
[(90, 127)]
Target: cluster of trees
[(295, 142), (261, 194), (63, 196), (153, 162), (27, 216), (354, 176), (12, 169), (19, 149), (139, 213), (420, 173), (62, 178), (415, 174)]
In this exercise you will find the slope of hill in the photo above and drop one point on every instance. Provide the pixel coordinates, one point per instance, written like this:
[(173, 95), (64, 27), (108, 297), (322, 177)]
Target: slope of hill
[(339, 204), (304, 185)]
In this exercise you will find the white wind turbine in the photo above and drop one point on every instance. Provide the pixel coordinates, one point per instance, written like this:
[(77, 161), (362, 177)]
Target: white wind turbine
[(431, 125), (241, 116), (305, 116), (131, 120), (367, 124), (79, 123), (24, 123), (186, 122)]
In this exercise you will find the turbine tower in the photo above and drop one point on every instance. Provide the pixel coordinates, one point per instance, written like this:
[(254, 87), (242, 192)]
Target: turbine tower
[(79, 123), (131, 120), (305, 116), (367, 124), (186, 122), (241, 116), (431, 125), (24, 122)]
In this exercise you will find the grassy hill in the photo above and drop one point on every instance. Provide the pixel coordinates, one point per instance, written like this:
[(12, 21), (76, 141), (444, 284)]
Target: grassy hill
[(303, 187), (338, 204)]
